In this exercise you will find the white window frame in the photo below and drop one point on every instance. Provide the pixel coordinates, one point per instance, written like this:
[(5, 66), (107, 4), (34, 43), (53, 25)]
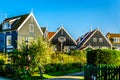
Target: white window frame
[(6, 25), (9, 40), (31, 27), (94, 39), (116, 39), (66, 49), (100, 39)]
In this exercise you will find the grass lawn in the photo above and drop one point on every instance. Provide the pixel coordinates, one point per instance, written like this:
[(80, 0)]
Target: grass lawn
[(61, 73)]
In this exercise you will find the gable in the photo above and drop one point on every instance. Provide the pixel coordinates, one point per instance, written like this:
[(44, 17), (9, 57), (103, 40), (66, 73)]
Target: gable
[(97, 39), (62, 32), (34, 19), (24, 29)]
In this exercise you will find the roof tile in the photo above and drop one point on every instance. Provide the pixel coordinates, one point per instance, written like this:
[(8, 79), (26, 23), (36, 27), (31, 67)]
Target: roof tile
[(50, 34)]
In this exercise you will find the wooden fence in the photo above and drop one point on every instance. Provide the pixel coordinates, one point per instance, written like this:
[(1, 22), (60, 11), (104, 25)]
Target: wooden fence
[(102, 72)]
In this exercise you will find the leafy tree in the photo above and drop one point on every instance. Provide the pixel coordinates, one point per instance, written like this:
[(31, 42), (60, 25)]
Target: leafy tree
[(30, 57)]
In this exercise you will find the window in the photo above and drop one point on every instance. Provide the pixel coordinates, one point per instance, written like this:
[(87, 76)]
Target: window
[(6, 25), (8, 42), (66, 49), (116, 39), (94, 39), (100, 39), (31, 28), (62, 39)]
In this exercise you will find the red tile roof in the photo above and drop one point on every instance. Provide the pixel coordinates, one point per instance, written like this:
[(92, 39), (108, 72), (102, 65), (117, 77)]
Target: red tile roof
[(50, 34)]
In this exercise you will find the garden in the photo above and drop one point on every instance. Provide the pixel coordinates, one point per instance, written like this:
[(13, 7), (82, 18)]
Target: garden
[(38, 60)]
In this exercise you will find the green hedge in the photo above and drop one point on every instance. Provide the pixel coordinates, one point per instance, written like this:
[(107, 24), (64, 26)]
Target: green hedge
[(61, 67), (103, 56), (66, 61)]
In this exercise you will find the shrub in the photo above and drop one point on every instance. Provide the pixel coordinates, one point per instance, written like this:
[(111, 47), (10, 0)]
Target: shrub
[(2, 62), (66, 61), (103, 56)]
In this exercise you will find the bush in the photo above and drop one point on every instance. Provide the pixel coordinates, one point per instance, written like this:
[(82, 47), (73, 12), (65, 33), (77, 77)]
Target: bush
[(103, 56), (2, 62), (66, 61)]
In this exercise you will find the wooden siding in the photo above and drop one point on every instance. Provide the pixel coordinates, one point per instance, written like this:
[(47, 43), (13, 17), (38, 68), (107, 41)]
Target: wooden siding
[(3, 40), (14, 39), (68, 42), (97, 44), (24, 31)]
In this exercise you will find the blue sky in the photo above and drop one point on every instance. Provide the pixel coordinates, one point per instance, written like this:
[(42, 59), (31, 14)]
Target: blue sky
[(77, 16)]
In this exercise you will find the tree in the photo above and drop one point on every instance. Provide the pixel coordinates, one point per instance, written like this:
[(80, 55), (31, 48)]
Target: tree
[(41, 54), (30, 58)]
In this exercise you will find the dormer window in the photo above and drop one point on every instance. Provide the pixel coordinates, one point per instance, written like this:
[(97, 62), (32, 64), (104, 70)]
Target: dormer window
[(6, 25)]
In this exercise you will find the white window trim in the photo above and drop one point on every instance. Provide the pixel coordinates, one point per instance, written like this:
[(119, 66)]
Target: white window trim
[(94, 39), (100, 39), (31, 30), (66, 49), (7, 40), (116, 39), (6, 25)]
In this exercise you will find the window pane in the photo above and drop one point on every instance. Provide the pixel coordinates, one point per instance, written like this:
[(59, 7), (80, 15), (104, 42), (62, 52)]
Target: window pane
[(31, 28), (94, 39), (100, 39), (9, 40)]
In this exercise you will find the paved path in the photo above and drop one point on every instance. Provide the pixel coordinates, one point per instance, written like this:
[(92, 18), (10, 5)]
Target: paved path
[(74, 76), (2, 78)]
